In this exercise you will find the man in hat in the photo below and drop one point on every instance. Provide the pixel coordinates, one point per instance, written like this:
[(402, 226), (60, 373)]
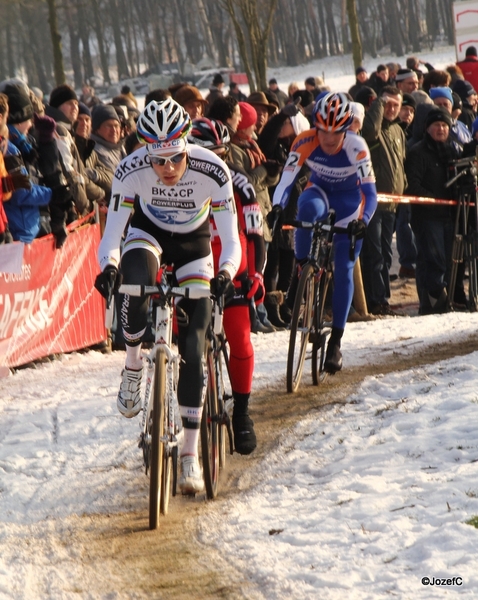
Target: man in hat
[(190, 98), (406, 80), (433, 224), (469, 66), (361, 78), (106, 133), (469, 99), (215, 90), (264, 109), (281, 96)]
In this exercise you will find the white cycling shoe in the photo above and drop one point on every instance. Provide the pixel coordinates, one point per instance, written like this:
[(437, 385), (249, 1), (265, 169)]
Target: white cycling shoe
[(191, 480), (129, 395)]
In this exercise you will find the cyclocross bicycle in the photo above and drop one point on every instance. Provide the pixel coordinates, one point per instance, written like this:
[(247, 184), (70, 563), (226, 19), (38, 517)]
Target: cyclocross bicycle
[(161, 427), (311, 320)]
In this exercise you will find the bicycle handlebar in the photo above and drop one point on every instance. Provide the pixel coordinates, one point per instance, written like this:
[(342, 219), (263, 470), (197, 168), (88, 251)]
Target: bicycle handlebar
[(150, 290)]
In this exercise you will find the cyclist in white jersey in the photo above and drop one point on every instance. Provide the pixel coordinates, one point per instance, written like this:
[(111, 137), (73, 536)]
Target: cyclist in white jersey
[(172, 187)]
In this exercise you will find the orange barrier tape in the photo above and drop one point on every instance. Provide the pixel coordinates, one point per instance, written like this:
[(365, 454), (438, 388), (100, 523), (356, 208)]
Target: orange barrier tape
[(416, 200)]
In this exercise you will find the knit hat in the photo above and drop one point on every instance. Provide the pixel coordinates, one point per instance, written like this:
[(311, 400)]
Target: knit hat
[(249, 115), (404, 74), (305, 96), (188, 93), (421, 97), (272, 81), (438, 114), (218, 78), (102, 113), (359, 70), (471, 51), (463, 88), (366, 95), (441, 92), (409, 100), (260, 99), (20, 108), (83, 109), (311, 81), (62, 94), (457, 102)]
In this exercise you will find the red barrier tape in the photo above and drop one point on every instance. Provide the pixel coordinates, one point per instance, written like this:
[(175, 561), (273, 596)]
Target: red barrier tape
[(416, 200)]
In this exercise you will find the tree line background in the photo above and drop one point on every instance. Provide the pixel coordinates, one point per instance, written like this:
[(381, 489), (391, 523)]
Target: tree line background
[(107, 40)]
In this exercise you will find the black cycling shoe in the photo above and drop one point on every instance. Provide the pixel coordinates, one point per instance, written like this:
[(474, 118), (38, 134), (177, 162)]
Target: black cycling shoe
[(333, 359), (244, 435)]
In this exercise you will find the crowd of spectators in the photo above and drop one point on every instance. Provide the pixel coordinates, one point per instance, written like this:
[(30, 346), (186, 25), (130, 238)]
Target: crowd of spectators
[(58, 160)]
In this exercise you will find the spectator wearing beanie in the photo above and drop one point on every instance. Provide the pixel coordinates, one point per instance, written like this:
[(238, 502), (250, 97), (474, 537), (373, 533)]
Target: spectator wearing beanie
[(361, 79), (73, 201), (20, 161), (99, 179), (109, 145), (469, 99), (190, 98), (433, 224), (443, 98), (469, 66), (407, 113), (215, 91)]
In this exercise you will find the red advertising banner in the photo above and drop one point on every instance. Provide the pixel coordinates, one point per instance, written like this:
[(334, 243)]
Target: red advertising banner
[(51, 306)]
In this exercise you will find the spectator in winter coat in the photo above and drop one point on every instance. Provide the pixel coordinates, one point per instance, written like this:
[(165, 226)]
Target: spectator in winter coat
[(63, 109), (361, 78), (379, 79), (215, 91), (469, 100), (236, 93), (106, 133), (406, 80), (386, 140), (264, 109), (459, 134), (427, 173), (281, 96), (227, 110), (469, 66)]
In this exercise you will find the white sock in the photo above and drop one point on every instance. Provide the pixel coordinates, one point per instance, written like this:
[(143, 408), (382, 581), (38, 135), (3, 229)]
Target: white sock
[(190, 442), (133, 357)]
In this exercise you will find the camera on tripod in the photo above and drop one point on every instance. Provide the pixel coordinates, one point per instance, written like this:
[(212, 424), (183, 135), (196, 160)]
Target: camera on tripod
[(463, 176)]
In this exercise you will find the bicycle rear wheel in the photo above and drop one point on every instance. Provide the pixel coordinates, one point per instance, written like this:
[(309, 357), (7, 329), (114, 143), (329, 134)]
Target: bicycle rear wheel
[(157, 433), (300, 327), (210, 430), (321, 329)]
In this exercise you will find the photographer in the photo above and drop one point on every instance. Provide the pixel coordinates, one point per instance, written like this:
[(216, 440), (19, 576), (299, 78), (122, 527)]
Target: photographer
[(427, 168)]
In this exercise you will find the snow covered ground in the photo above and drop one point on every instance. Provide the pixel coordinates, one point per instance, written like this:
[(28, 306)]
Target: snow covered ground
[(363, 500)]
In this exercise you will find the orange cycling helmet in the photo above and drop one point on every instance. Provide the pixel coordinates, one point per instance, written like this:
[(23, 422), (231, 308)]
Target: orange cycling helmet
[(332, 112)]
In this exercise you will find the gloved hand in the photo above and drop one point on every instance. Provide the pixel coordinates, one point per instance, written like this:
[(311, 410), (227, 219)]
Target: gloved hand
[(357, 228), (108, 282), (221, 285), (45, 127), (275, 217), (290, 109), (272, 167), (254, 287)]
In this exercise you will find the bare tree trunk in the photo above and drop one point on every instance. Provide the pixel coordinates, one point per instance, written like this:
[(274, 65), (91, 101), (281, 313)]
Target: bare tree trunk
[(98, 26), (121, 63), (73, 31), (58, 68), (83, 29), (354, 33)]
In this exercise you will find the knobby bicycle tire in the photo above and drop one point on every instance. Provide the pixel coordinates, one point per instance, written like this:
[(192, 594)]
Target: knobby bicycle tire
[(221, 406), (210, 429), (321, 328), (157, 432), (166, 483), (300, 327)]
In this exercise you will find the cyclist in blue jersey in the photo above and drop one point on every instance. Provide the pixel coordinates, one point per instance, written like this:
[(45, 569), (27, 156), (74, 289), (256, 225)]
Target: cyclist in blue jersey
[(342, 179)]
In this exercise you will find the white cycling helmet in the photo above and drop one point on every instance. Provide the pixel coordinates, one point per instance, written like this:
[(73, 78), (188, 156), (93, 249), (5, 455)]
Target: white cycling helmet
[(332, 112), (162, 122)]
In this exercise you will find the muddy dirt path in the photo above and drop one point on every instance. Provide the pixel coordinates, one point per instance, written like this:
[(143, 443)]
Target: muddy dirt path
[(120, 558)]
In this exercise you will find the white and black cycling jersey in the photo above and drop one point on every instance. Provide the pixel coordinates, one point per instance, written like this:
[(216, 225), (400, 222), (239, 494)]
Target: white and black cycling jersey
[(182, 208)]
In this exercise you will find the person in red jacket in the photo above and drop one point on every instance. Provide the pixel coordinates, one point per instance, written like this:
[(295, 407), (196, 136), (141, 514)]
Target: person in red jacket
[(248, 283), (469, 66)]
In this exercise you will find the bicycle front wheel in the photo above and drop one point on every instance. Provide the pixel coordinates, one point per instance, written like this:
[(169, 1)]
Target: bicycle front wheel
[(210, 430), (322, 328), (300, 327), (157, 433)]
